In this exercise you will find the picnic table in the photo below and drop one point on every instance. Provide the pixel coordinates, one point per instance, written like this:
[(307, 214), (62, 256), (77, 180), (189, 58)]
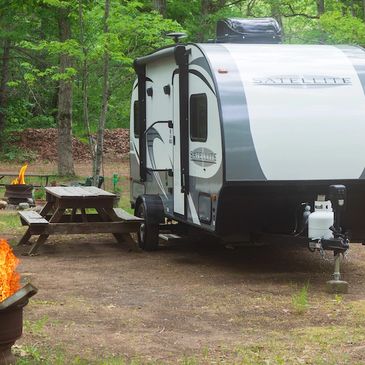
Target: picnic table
[(29, 174), (65, 212)]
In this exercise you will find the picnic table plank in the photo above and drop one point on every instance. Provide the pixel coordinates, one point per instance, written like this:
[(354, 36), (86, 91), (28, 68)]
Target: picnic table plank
[(92, 227), (77, 192), (32, 217), (125, 216)]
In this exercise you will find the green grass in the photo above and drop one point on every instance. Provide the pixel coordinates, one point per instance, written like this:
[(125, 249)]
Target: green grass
[(10, 223), (32, 355), (300, 300), (36, 327)]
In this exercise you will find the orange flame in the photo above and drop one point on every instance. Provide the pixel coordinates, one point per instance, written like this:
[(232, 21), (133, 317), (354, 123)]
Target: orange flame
[(9, 278), (20, 180)]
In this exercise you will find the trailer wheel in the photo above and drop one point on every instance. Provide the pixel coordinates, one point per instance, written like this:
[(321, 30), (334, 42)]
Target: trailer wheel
[(148, 233)]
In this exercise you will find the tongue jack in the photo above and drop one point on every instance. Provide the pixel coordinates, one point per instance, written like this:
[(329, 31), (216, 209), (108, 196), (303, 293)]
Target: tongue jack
[(340, 242)]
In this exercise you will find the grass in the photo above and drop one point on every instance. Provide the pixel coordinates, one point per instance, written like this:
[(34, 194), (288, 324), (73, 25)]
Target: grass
[(300, 300), (36, 327), (10, 223), (33, 355)]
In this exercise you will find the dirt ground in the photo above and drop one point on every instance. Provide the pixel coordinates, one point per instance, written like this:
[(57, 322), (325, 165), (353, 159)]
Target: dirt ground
[(189, 303), (201, 301)]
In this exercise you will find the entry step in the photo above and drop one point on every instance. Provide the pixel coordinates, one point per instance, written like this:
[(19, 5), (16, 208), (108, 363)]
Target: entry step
[(169, 236)]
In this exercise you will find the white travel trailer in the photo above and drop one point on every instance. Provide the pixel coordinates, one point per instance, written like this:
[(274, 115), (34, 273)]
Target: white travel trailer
[(243, 136)]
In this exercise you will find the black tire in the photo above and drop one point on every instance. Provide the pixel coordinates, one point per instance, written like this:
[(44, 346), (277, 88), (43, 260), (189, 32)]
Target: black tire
[(148, 233)]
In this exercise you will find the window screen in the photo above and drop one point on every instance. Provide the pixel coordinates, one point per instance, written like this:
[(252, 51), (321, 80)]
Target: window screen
[(136, 118), (198, 117)]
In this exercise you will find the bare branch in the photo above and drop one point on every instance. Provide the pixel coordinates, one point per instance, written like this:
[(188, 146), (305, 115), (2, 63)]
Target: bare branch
[(293, 13)]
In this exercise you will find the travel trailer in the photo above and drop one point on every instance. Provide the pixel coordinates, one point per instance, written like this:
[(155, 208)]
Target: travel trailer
[(245, 137)]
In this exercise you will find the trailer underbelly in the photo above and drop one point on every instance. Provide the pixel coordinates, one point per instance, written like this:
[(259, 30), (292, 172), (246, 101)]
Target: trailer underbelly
[(272, 207)]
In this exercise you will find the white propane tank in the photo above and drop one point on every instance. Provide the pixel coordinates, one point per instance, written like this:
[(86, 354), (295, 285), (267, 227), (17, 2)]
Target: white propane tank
[(320, 221)]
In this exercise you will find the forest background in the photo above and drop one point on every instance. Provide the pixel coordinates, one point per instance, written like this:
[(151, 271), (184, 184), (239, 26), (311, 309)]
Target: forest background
[(68, 64)]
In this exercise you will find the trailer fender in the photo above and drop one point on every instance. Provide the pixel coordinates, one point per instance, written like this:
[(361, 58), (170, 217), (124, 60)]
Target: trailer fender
[(154, 208)]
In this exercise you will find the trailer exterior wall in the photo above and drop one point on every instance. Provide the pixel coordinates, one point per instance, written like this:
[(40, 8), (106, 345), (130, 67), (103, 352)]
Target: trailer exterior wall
[(284, 123), (290, 112), (163, 144)]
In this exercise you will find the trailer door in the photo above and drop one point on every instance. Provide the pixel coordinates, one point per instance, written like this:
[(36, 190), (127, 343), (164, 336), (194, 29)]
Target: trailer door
[(179, 196)]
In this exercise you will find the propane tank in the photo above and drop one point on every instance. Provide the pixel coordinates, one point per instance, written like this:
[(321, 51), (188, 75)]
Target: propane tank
[(321, 220)]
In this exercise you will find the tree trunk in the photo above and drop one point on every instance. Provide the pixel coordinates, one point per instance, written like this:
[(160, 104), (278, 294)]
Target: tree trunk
[(276, 13), (64, 145), (204, 11), (250, 6), (160, 6), (85, 81), (104, 107), (352, 6), (320, 7), (3, 85)]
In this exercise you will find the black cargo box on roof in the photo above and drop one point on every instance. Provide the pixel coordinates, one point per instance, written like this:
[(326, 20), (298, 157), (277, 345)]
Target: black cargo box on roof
[(257, 30)]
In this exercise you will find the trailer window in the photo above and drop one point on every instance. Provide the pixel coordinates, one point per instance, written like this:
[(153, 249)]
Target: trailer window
[(198, 117), (136, 118)]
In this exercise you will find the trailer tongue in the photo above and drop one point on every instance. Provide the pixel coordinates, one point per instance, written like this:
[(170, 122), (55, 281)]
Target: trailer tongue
[(337, 241)]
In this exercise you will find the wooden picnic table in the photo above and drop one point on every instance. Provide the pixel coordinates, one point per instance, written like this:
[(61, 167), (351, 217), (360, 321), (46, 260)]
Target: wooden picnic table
[(60, 216), (29, 174)]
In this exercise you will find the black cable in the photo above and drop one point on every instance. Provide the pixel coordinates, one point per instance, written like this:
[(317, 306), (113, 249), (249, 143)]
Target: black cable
[(295, 231)]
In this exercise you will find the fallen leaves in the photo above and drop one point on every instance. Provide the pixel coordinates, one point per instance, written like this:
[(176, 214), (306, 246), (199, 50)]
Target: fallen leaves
[(43, 142)]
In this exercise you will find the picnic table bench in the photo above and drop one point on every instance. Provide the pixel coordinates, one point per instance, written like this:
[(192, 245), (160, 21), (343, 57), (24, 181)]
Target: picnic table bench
[(30, 174), (60, 216)]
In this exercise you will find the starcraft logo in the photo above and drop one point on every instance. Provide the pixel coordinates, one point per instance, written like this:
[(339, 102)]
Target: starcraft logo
[(303, 81)]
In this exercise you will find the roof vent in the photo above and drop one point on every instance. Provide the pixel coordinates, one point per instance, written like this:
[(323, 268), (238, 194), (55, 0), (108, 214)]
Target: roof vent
[(257, 30)]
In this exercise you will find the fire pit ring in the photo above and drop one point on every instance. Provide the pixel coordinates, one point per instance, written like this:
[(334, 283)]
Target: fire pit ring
[(11, 319), (11, 329), (18, 193)]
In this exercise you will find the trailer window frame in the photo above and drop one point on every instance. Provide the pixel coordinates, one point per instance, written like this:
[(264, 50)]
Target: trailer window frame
[(198, 121), (136, 119)]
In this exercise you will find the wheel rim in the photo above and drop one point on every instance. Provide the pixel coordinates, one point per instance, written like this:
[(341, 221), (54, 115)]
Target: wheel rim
[(142, 227)]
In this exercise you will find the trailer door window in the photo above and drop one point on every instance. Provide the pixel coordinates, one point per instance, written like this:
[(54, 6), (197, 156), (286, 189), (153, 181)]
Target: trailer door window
[(136, 119), (198, 117)]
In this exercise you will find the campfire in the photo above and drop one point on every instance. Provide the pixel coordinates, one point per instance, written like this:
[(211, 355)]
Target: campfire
[(9, 278), (12, 301), (18, 191), (20, 180)]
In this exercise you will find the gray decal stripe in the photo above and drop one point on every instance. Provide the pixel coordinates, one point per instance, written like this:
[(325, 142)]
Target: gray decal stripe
[(201, 76), (196, 73), (357, 57), (147, 79), (241, 162), (202, 62), (135, 149), (176, 72)]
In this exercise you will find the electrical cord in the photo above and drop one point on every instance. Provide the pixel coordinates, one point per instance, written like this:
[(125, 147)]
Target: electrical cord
[(295, 231)]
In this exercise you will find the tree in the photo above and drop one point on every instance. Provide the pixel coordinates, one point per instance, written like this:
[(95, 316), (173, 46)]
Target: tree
[(85, 81), (64, 116), (320, 7), (104, 106), (3, 84), (160, 6)]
